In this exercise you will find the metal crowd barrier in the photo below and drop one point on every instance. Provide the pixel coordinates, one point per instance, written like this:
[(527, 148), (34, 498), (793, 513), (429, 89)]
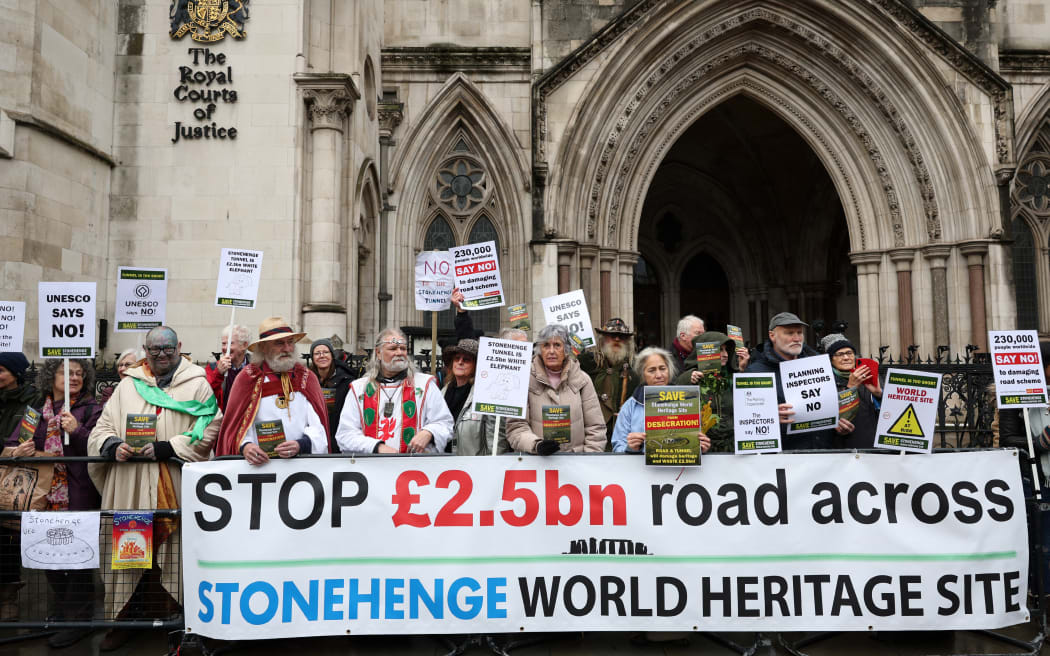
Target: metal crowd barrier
[(56, 600), (152, 607)]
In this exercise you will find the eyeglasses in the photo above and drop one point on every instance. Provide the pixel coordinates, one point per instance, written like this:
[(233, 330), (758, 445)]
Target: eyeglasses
[(846, 354), (157, 350)]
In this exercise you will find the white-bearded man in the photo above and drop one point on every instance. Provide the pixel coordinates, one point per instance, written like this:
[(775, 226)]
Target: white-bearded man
[(609, 366)]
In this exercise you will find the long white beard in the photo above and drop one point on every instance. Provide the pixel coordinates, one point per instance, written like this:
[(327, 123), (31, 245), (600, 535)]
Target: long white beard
[(396, 365), (615, 355), (281, 362)]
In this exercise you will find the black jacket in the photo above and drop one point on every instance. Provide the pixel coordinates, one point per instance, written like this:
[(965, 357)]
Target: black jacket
[(864, 423), (339, 382), (1012, 434), (13, 404), (768, 361)]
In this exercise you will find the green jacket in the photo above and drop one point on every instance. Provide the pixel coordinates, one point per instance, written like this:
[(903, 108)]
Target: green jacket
[(609, 384), (721, 402)]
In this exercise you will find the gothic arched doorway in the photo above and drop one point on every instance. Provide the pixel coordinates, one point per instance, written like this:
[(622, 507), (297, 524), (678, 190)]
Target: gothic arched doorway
[(743, 207)]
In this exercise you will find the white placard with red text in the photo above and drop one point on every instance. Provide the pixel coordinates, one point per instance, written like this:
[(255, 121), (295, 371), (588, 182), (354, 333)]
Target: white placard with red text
[(477, 275), (1020, 377), (429, 545), (12, 325), (434, 280)]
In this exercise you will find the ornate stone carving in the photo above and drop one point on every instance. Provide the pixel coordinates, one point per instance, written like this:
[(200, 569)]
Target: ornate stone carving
[(327, 107), (460, 184), (456, 59), (1024, 61), (1032, 184), (390, 116)]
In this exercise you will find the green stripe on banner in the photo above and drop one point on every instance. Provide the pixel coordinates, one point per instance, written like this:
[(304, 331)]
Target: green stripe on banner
[(601, 558)]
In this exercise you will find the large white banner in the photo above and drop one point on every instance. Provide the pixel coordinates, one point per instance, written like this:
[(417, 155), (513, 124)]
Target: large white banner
[(780, 542)]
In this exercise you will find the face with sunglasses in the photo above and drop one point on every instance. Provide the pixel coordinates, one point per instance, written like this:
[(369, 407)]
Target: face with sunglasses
[(162, 350)]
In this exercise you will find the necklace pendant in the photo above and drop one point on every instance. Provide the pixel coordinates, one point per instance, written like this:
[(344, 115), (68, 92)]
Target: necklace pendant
[(282, 402), (388, 409)]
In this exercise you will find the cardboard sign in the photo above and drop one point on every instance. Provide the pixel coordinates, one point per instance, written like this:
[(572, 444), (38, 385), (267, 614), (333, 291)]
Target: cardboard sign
[(67, 319), (140, 430), (519, 317), (12, 325), (142, 295), (672, 425), (570, 310), (269, 434), (60, 540), (756, 421), (736, 334), (27, 427), (1020, 380), (238, 281), (908, 415), (809, 386), (501, 384), (132, 540), (557, 423), (434, 280), (477, 275)]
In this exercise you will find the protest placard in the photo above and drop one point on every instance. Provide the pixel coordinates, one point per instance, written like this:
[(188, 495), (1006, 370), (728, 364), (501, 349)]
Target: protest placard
[(434, 280), (1020, 376), (528, 544), (570, 310), (60, 540), (67, 319), (12, 325), (518, 315), (908, 414), (708, 356), (736, 334), (132, 540), (501, 385), (809, 386), (239, 274), (477, 275), (672, 425), (756, 422), (142, 295)]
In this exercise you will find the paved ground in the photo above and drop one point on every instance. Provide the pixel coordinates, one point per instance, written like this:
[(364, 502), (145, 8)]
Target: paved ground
[(595, 644)]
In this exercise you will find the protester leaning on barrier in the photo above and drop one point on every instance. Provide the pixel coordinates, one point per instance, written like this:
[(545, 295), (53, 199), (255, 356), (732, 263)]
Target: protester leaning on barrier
[(71, 487), (787, 341), (655, 367), (393, 408), (223, 372), (15, 394), (688, 327), (557, 379), (716, 388), (276, 405), (608, 364), (472, 432), (335, 378), (859, 432), (1012, 435), (176, 392)]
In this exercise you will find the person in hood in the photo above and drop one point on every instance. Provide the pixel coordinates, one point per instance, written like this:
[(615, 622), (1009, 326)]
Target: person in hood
[(787, 341), (716, 389), (655, 367)]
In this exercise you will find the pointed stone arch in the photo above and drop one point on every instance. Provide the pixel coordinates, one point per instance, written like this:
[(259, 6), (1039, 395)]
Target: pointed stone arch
[(460, 122), (363, 324)]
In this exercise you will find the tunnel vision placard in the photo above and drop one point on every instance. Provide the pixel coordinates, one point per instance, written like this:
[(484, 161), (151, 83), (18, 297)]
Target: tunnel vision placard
[(815, 542)]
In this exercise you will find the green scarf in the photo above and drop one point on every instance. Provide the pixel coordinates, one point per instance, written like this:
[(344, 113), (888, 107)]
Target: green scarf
[(204, 412)]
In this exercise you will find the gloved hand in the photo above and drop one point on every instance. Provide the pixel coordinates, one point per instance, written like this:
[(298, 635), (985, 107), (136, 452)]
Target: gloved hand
[(547, 447), (163, 450)]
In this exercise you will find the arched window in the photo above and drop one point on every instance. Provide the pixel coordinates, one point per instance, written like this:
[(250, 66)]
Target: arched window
[(439, 238), (646, 305), (1024, 276), (483, 230)]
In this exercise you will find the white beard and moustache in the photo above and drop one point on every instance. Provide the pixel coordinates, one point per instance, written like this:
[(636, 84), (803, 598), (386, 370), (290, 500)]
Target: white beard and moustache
[(615, 356), (396, 365), (281, 362)]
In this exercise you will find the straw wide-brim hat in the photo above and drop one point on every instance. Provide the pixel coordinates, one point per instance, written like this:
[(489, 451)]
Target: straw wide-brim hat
[(273, 329)]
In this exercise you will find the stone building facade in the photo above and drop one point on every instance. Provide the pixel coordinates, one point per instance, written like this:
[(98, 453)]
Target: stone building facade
[(884, 162)]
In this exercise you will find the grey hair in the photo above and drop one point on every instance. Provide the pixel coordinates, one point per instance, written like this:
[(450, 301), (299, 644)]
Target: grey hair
[(45, 376), (685, 322), (512, 333), (554, 331), (648, 352), (241, 334), (372, 369), (137, 352)]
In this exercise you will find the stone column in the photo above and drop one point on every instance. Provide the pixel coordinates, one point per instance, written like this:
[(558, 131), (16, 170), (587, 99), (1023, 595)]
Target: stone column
[(390, 116), (329, 99), (566, 254), (587, 256), (868, 300), (937, 258), (625, 311), (975, 252), (607, 257), (902, 260)]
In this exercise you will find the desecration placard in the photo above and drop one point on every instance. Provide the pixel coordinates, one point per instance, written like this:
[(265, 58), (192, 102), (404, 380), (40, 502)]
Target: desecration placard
[(527, 544)]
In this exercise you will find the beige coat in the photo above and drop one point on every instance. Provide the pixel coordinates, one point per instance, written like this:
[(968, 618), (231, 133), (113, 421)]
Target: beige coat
[(133, 486), (574, 390)]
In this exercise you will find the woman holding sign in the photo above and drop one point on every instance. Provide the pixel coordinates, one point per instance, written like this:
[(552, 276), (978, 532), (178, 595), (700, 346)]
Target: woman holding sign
[(472, 433), (859, 395), (564, 412), (71, 488), (655, 367)]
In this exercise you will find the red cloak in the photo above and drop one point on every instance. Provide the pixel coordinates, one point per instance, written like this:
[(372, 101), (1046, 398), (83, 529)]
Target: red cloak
[(247, 392)]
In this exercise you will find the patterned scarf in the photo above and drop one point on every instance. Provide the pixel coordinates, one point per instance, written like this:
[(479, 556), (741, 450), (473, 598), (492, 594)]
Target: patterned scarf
[(58, 495), (382, 428)]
